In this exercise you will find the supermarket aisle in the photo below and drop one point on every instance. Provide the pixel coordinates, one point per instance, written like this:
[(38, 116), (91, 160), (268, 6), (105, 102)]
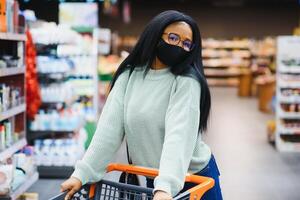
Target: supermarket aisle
[(251, 168), (237, 133)]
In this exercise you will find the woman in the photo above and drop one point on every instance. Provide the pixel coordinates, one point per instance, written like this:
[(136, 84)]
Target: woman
[(155, 102)]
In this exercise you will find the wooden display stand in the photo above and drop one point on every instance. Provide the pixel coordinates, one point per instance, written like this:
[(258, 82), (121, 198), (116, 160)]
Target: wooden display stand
[(245, 83), (266, 90)]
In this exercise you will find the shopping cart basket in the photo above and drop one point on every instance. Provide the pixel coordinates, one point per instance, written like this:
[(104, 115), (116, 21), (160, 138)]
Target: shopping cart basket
[(108, 190)]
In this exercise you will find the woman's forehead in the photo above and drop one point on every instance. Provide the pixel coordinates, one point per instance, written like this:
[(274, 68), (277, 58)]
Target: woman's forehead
[(181, 28)]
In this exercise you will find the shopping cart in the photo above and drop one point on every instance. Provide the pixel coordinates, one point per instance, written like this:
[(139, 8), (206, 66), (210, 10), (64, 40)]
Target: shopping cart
[(108, 190)]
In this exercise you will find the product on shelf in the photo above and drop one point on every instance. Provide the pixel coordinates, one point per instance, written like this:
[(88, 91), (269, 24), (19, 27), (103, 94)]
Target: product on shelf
[(6, 177), (291, 62), (290, 123), (53, 120), (16, 171), (67, 65), (226, 62), (57, 93), (8, 61), (290, 92), (6, 134), (58, 152), (290, 107), (9, 12), (46, 64), (50, 33), (9, 97), (230, 44)]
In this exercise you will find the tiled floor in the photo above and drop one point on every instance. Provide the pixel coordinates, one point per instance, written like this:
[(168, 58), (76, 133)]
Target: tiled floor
[(251, 169)]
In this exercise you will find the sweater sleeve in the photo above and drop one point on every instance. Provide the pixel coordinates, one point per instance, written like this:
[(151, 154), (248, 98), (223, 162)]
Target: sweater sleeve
[(107, 138), (181, 132)]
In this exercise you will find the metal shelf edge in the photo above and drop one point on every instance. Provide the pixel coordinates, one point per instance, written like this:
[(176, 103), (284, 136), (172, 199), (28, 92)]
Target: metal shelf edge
[(12, 112), (25, 186), (13, 149), (12, 71), (12, 36)]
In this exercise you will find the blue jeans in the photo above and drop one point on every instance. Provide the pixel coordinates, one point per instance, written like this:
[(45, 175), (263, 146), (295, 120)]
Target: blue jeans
[(211, 170)]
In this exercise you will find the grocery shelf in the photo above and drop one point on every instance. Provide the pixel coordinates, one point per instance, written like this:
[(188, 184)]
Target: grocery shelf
[(288, 115), (291, 69), (35, 134), (231, 82), (55, 171), (287, 146), (7, 153), (288, 84), (12, 36), (289, 99), (25, 186), (22, 188), (222, 73), (12, 112), (12, 71), (288, 131), (52, 103)]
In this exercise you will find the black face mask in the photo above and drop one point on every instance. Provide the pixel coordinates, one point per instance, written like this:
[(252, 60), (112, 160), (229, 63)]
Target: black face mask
[(169, 54)]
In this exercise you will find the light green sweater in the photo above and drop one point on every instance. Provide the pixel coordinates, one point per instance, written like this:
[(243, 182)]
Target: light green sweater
[(159, 115)]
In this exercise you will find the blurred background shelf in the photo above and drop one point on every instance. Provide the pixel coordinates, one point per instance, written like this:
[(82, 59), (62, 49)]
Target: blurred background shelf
[(12, 36), (11, 71), (55, 171)]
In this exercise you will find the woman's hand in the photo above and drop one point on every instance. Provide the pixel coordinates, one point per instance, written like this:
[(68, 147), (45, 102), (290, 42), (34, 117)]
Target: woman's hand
[(72, 185), (161, 195)]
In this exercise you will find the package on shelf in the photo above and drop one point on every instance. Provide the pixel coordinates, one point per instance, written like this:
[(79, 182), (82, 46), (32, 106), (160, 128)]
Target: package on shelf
[(234, 44), (6, 178), (47, 64), (84, 47), (24, 160), (50, 33), (84, 65), (83, 85), (232, 62), (65, 120), (9, 11), (59, 152), (264, 48), (9, 97), (63, 92), (7, 134)]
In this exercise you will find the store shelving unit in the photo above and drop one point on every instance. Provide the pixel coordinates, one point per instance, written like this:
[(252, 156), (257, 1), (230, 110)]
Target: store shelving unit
[(92, 69), (14, 43), (12, 36), (12, 112), (30, 180), (38, 134), (12, 71), (288, 100), (55, 171), (81, 77), (224, 59)]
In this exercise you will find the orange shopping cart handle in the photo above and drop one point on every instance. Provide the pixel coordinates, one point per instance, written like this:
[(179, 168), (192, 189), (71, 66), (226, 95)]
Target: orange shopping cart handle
[(204, 183)]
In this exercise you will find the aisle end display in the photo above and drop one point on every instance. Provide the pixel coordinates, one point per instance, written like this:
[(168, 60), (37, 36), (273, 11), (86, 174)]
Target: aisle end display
[(288, 94)]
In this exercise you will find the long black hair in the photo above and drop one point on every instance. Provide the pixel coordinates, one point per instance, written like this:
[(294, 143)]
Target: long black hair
[(144, 53)]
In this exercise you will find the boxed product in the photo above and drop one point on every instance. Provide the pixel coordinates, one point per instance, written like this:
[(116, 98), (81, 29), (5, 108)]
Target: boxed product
[(6, 177), (3, 24)]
